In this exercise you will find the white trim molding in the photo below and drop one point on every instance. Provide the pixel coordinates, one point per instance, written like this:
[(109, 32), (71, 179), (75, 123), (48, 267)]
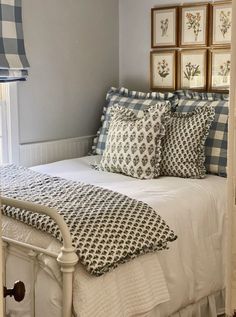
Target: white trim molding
[(14, 122), (47, 152), (231, 181), (10, 131)]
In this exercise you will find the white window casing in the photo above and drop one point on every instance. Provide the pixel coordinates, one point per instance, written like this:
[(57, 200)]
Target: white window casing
[(9, 134)]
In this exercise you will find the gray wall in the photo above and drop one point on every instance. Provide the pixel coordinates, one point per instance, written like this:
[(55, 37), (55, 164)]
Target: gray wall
[(72, 47), (135, 40)]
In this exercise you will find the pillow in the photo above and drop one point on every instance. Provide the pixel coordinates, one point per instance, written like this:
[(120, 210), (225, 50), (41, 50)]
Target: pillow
[(133, 144), (183, 143), (216, 142), (196, 95), (134, 100)]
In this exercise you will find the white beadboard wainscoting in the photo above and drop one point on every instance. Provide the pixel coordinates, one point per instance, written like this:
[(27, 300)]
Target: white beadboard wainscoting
[(52, 151)]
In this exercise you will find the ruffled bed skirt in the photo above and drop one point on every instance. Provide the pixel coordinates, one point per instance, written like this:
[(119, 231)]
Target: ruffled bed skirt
[(210, 306)]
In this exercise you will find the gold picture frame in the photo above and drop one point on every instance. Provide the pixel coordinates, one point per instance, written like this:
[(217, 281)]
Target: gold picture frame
[(193, 25), (219, 70), (163, 70), (164, 27), (221, 23), (192, 72)]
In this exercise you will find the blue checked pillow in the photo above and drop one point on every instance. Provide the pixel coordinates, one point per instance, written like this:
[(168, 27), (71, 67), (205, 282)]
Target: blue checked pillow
[(133, 100), (216, 143), (209, 96)]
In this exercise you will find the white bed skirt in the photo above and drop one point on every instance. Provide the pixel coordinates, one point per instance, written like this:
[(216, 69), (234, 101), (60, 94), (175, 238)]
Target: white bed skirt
[(210, 306)]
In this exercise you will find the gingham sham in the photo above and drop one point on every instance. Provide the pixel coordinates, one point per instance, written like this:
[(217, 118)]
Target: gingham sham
[(134, 100), (133, 144), (195, 95), (183, 153), (216, 142)]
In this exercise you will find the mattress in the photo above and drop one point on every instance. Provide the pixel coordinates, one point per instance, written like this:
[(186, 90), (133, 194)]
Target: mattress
[(166, 281)]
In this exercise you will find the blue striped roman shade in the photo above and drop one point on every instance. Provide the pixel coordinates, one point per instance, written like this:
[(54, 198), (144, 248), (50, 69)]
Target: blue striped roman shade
[(13, 60)]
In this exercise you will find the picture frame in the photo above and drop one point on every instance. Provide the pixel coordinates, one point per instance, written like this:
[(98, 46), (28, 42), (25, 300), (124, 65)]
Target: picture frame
[(219, 70), (164, 27), (163, 70), (193, 69), (193, 25), (221, 23)]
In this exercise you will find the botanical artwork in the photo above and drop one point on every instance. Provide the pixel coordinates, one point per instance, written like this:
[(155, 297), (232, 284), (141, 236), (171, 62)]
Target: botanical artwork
[(225, 71), (193, 29), (221, 66), (163, 69), (204, 30), (193, 69), (164, 27), (222, 24), (193, 22), (225, 19)]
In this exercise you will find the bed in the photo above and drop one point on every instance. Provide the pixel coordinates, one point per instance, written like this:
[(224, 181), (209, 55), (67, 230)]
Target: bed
[(186, 280)]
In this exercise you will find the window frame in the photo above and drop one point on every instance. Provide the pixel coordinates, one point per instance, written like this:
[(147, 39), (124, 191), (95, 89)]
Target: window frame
[(10, 124)]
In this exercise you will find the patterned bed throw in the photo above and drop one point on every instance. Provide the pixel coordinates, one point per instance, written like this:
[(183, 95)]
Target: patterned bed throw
[(107, 228)]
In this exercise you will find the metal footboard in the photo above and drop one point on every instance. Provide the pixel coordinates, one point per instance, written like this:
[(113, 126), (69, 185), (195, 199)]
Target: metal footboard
[(67, 258)]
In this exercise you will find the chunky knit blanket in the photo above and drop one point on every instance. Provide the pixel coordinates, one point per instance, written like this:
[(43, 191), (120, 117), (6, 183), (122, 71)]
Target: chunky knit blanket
[(107, 228)]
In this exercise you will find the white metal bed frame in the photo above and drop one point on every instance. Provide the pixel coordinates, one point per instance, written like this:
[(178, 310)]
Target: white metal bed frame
[(67, 258)]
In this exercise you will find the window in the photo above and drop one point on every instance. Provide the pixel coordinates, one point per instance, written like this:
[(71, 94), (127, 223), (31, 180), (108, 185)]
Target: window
[(8, 123)]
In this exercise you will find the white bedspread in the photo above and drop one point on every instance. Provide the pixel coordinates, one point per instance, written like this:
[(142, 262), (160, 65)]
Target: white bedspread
[(193, 267)]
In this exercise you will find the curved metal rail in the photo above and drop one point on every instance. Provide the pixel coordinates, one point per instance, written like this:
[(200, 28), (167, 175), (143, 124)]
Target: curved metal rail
[(67, 258)]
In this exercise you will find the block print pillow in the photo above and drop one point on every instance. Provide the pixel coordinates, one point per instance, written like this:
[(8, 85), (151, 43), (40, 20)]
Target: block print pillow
[(183, 152), (133, 144), (134, 100)]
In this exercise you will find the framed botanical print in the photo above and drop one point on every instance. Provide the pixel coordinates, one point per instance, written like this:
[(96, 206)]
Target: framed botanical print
[(164, 27), (193, 69), (220, 66), (193, 25), (221, 23), (163, 70)]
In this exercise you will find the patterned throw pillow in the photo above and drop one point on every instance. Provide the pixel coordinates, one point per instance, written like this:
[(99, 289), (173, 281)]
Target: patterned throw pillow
[(134, 100), (133, 144), (216, 142), (183, 143)]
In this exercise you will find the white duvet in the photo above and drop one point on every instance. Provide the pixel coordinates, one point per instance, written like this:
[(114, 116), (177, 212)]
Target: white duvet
[(169, 280)]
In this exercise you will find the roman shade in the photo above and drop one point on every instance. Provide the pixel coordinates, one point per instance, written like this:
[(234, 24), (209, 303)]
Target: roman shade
[(13, 61)]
